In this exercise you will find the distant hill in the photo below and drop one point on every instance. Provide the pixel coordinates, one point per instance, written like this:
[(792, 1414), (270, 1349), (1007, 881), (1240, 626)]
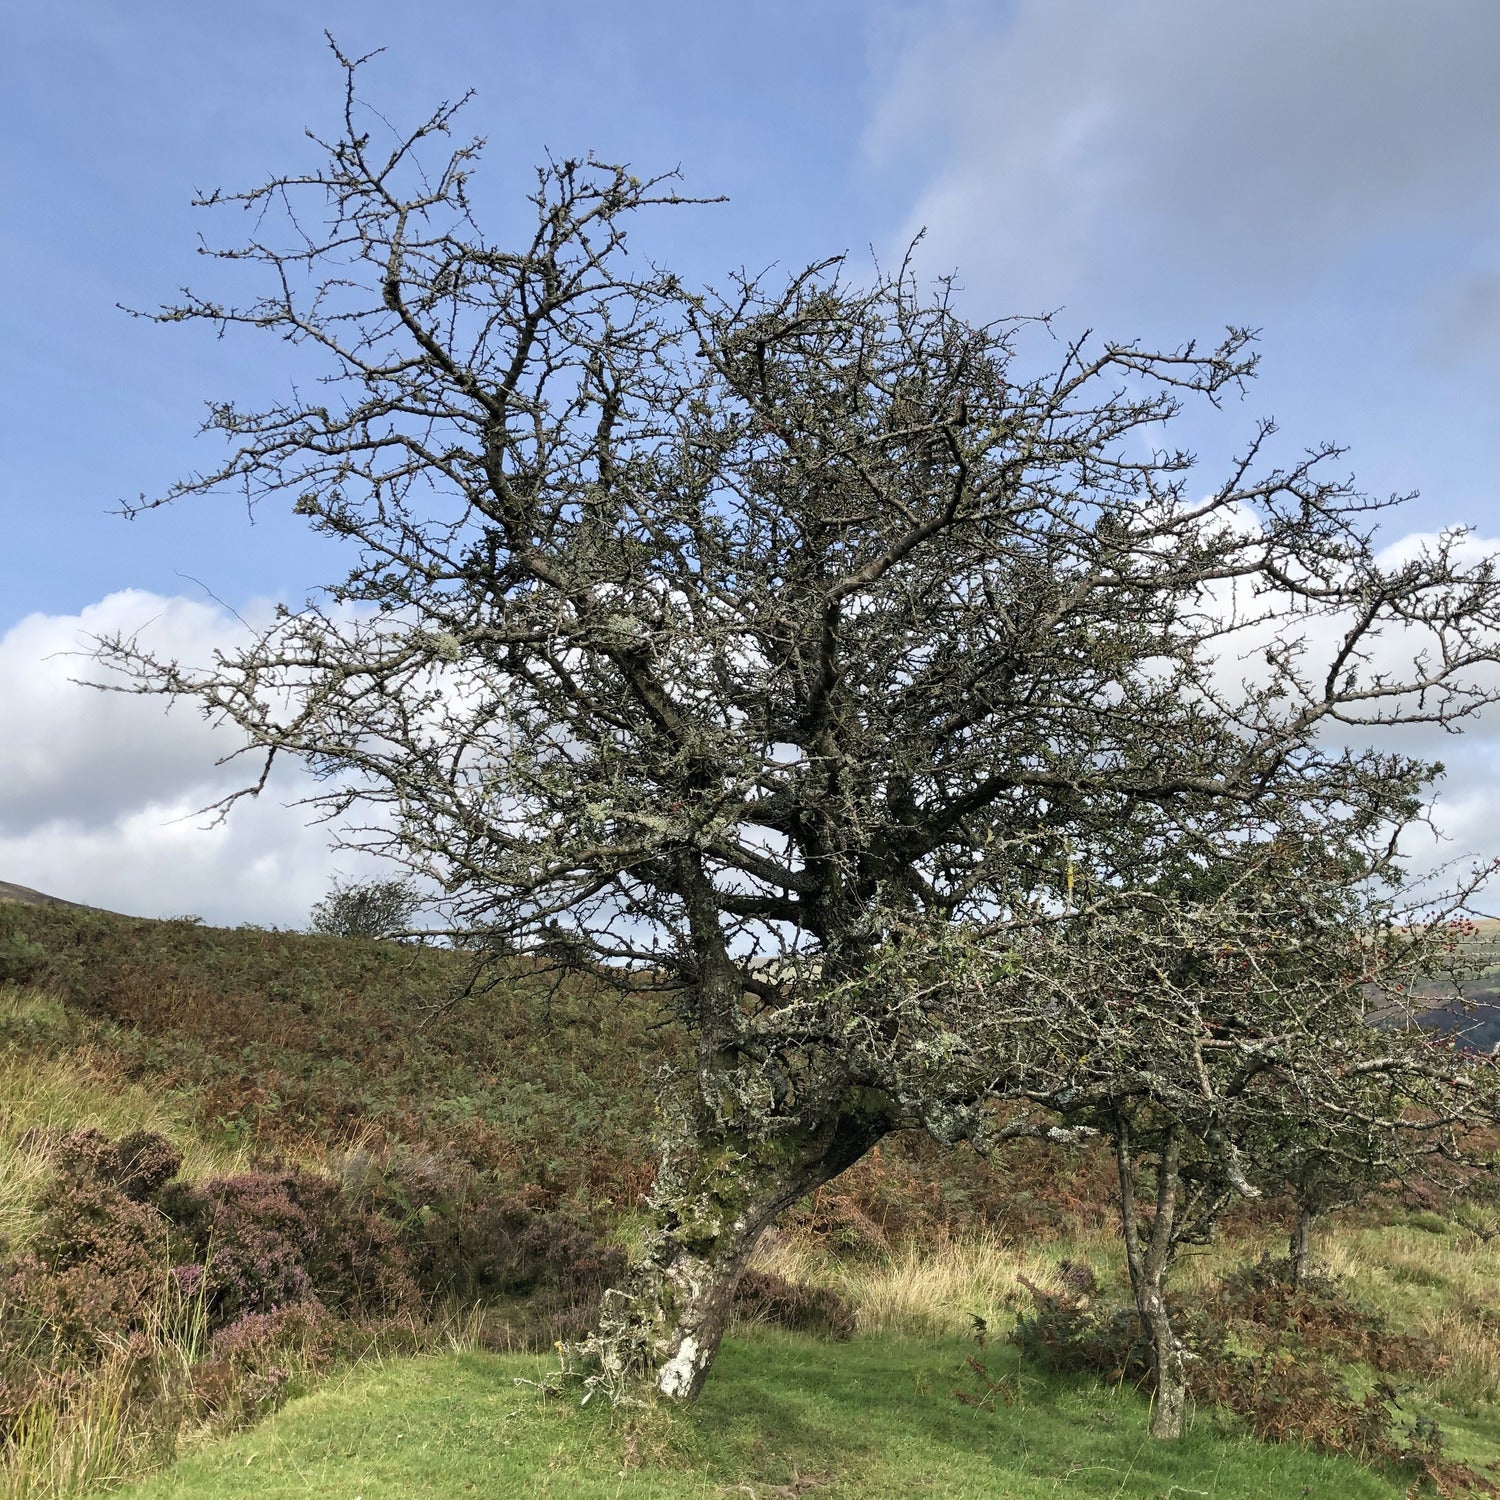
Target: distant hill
[(9, 892), (1477, 1028)]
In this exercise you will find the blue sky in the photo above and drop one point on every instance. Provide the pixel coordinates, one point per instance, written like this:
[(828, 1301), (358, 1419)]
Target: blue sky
[(1329, 173)]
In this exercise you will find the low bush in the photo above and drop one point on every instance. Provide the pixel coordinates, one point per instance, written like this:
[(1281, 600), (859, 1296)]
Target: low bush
[(765, 1297), (251, 1364), (96, 1263), (271, 1239), (21, 959), (103, 1313), (468, 1237), (1068, 1331), (1272, 1353), (138, 1164), (1263, 1306)]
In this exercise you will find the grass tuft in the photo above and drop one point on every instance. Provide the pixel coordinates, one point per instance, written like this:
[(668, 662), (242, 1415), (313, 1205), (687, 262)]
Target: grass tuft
[(44, 1097)]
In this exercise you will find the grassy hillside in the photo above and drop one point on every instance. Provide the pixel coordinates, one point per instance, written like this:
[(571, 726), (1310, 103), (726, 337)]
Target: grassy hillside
[(311, 1044), (446, 1172), (318, 1047)]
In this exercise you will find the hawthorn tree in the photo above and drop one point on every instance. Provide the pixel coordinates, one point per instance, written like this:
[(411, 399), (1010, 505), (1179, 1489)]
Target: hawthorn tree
[(365, 908), (1234, 1020), (714, 643)]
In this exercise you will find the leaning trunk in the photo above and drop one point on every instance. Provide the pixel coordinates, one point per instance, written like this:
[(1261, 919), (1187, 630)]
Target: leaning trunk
[(736, 1151), (714, 1195), (1148, 1250)]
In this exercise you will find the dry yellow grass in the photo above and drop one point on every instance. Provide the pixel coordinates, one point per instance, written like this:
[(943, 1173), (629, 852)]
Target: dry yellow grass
[(42, 1098), (921, 1290), (1444, 1285)]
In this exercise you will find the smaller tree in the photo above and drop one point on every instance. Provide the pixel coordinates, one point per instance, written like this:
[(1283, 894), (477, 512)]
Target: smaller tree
[(1234, 1053), (365, 908), (1215, 1022)]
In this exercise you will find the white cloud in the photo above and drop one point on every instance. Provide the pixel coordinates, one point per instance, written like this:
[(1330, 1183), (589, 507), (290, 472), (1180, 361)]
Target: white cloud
[(70, 752), (1465, 824), (157, 859), (99, 791)]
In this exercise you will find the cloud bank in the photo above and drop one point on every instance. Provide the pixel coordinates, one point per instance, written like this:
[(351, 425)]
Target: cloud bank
[(1167, 147), (100, 793)]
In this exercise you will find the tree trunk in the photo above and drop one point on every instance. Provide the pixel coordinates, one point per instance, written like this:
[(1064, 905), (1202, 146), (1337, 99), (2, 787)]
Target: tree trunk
[(1301, 1245), (1169, 1361), (712, 1199), (1149, 1250)]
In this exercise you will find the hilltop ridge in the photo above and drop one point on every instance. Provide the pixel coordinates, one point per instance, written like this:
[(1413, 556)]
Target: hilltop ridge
[(9, 891)]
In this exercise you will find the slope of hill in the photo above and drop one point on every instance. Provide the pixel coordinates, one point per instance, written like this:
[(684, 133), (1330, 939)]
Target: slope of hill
[(314, 1044), (324, 1103), (29, 897)]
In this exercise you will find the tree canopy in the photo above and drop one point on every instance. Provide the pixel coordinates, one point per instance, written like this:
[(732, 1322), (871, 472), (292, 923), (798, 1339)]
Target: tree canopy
[(753, 644)]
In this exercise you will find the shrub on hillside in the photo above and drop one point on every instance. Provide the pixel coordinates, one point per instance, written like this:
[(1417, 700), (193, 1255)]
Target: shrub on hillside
[(468, 1236), (251, 1363), (1076, 1336), (513, 1245), (765, 1297), (113, 1219), (91, 1312), (1262, 1306), (95, 1265), (366, 908), (543, 1264), (21, 960), (138, 1164), (272, 1239)]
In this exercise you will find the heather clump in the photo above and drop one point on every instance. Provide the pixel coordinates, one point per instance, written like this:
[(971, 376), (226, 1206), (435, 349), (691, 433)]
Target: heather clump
[(141, 1301), (468, 1239), (252, 1364), (137, 1164), (274, 1238), (95, 1263)]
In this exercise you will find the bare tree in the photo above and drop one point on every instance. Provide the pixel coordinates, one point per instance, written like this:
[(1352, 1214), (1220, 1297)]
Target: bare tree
[(708, 642)]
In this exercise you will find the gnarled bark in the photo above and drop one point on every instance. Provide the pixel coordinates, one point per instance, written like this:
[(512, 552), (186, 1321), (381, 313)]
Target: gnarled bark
[(716, 1192)]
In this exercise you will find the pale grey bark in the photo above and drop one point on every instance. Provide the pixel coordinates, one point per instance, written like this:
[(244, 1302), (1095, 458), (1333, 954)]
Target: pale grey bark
[(1149, 1249), (709, 1211)]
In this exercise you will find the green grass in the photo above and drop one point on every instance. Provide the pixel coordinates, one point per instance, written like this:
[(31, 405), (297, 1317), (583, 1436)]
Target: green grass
[(782, 1416)]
